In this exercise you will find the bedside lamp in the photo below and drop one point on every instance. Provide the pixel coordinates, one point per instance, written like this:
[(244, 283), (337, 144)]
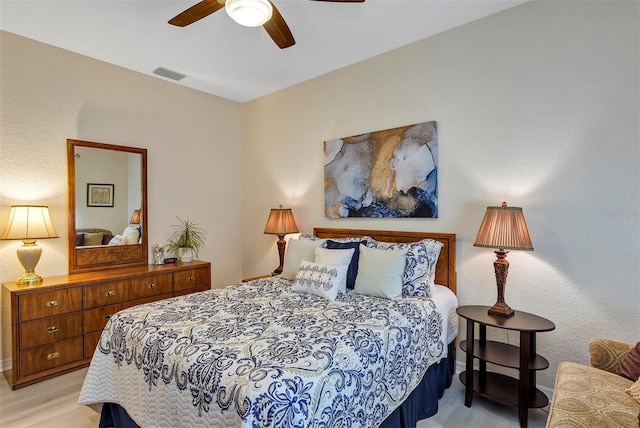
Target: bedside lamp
[(503, 228), (280, 222), (135, 217), (28, 223)]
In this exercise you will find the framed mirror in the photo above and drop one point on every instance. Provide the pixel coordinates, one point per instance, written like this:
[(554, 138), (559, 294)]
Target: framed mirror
[(107, 186)]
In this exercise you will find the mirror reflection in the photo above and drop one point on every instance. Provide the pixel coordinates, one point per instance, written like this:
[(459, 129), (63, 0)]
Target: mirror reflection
[(108, 197)]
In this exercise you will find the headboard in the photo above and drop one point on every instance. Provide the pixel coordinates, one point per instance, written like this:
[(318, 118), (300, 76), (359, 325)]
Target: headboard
[(446, 267)]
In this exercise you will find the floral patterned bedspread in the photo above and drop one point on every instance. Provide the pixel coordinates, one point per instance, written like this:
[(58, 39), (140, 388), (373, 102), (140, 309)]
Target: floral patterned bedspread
[(261, 355)]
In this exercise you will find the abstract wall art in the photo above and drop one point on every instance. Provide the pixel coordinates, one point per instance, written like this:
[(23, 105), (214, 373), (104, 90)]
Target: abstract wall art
[(390, 173)]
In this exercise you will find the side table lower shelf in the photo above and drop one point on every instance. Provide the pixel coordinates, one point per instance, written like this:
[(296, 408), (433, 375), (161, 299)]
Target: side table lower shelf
[(503, 389), (503, 354)]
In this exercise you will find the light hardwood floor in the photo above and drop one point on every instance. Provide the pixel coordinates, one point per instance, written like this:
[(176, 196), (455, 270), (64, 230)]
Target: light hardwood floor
[(53, 403)]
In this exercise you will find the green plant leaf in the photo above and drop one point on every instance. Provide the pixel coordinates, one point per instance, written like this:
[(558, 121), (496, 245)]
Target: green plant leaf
[(186, 234)]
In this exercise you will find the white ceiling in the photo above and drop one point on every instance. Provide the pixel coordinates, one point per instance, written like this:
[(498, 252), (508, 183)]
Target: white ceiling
[(223, 58)]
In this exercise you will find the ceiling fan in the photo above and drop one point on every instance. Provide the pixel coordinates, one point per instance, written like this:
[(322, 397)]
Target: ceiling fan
[(251, 13)]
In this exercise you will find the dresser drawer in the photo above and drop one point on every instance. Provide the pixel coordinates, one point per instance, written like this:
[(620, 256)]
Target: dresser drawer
[(48, 330), (33, 306), (50, 356), (90, 343), (95, 319), (122, 291), (192, 278), (192, 290)]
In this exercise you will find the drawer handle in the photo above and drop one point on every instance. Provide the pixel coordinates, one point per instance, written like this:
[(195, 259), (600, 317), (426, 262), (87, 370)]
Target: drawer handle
[(192, 278), (53, 329), (53, 356), (52, 303), (153, 285), (110, 293)]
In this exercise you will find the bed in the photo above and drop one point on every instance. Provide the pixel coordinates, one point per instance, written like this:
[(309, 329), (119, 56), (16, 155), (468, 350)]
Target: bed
[(259, 354)]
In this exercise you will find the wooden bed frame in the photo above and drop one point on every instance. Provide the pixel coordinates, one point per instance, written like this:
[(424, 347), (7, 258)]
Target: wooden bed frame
[(446, 267)]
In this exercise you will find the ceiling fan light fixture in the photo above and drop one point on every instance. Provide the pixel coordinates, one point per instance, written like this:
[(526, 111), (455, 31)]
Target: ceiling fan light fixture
[(250, 13)]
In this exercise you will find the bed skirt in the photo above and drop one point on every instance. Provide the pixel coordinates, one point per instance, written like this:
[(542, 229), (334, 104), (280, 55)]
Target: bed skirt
[(422, 403)]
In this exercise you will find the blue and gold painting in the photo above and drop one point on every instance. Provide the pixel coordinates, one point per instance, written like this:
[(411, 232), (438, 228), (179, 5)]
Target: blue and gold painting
[(387, 174)]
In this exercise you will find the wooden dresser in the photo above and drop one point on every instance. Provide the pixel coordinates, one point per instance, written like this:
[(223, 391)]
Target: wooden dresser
[(53, 328)]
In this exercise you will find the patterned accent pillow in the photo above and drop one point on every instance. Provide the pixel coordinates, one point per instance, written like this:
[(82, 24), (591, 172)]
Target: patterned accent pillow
[(380, 272), (318, 279), (117, 240), (634, 391), (420, 268), (365, 239), (309, 237), (325, 256)]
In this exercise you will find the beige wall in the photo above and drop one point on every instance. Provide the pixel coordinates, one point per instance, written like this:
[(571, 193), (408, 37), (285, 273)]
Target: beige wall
[(193, 139), (536, 106)]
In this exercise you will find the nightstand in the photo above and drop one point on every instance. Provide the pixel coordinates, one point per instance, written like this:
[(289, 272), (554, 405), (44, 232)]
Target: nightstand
[(521, 392)]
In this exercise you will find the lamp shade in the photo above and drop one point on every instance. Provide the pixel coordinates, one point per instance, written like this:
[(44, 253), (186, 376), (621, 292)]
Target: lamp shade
[(135, 217), (504, 228), (280, 222), (29, 222), (250, 13)]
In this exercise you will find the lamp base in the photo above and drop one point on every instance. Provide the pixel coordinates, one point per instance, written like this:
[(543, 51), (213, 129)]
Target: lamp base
[(29, 255), (501, 309), (281, 249), (29, 278), (501, 268)]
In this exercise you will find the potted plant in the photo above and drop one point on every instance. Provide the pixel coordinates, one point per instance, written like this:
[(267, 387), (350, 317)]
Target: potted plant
[(186, 240)]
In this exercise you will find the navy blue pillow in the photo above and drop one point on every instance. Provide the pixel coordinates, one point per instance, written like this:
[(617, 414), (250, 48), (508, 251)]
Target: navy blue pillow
[(353, 266)]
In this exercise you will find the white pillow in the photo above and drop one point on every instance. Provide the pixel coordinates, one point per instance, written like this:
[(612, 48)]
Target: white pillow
[(325, 256), (321, 280), (420, 267), (116, 240), (297, 251), (131, 235), (380, 272)]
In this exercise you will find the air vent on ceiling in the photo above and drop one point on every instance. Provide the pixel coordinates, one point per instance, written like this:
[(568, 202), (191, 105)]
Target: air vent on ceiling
[(173, 75)]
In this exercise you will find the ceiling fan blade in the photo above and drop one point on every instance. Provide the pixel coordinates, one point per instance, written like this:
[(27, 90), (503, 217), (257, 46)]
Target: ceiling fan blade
[(196, 13), (279, 30)]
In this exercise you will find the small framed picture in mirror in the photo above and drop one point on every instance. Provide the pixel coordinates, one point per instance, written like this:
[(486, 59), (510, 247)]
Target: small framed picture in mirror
[(99, 195)]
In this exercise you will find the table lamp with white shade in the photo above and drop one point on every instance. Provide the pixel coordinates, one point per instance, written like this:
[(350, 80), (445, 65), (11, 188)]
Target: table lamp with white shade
[(29, 223)]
